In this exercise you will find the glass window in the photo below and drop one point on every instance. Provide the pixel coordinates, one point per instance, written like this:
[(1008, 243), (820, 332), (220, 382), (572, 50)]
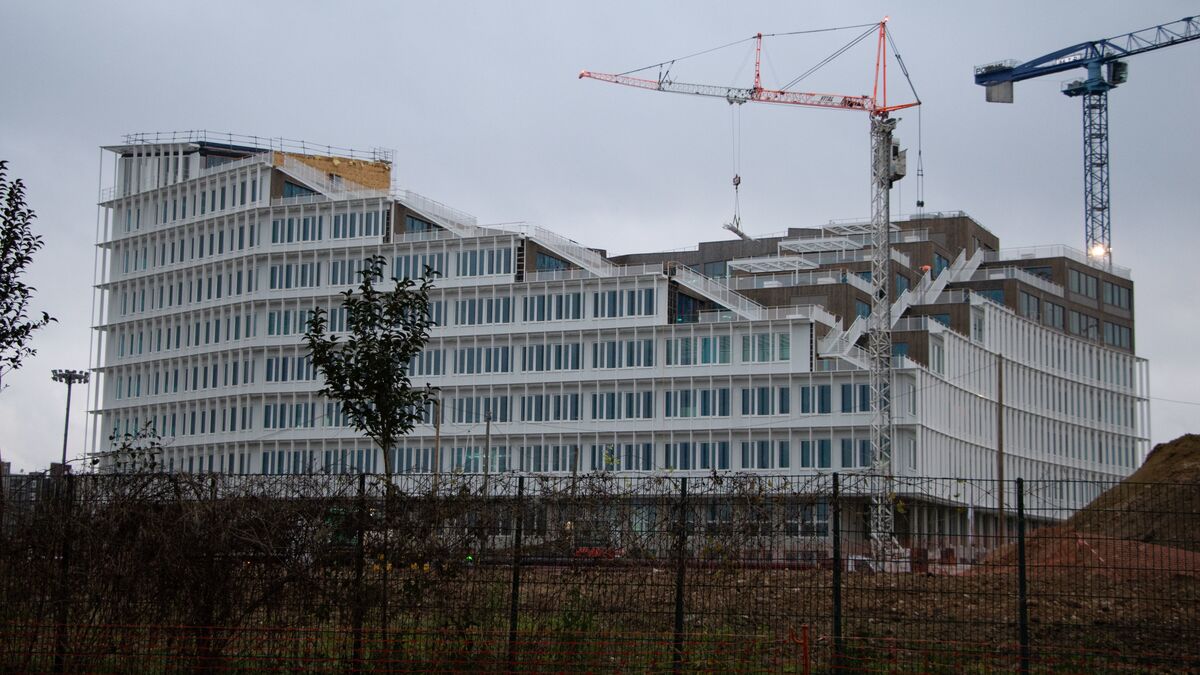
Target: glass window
[(939, 264), (825, 398), (994, 294)]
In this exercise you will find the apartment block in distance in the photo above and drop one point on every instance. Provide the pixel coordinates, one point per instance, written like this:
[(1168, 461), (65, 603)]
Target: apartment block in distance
[(738, 356)]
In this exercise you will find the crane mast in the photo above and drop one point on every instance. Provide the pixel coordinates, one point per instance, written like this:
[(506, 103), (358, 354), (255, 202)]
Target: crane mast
[(879, 337), (886, 167)]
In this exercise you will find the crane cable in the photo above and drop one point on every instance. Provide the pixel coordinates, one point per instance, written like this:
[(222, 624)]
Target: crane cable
[(920, 157), (735, 128), (669, 62), (838, 52)]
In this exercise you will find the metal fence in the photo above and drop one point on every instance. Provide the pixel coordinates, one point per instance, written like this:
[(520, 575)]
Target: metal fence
[(612, 573)]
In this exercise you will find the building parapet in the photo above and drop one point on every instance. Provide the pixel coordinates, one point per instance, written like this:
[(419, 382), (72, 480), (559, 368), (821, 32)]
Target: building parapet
[(991, 273), (1057, 251), (814, 278)]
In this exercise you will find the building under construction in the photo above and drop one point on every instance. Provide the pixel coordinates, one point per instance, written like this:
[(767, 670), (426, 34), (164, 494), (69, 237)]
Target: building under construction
[(735, 356)]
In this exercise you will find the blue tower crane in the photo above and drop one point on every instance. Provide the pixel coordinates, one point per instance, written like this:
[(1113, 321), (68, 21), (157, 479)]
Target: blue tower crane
[(1103, 60)]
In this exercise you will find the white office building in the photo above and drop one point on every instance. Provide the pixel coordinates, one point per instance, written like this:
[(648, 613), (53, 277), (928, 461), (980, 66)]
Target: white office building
[(735, 356)]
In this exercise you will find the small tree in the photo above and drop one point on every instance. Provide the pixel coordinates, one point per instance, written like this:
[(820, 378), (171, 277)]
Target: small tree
[(367, 372), (17, 246), (137, 452)]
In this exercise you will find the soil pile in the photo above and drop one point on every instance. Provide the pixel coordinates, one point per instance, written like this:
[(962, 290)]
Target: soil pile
[(1149, 523), (1158, 504)]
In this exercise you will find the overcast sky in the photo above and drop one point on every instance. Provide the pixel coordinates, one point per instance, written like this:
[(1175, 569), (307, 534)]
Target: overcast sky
[(482, 105)]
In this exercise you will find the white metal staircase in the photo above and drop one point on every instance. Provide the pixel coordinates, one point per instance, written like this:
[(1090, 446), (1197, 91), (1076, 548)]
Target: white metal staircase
[(717, 292)]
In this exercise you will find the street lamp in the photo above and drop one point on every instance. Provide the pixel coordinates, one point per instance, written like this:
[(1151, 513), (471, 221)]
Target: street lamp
[(70, 377)]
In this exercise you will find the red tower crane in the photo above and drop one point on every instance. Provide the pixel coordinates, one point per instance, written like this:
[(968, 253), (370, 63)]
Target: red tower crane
[(887, 166)]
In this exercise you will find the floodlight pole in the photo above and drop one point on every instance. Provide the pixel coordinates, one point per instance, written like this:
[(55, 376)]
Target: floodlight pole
[(70, 377)]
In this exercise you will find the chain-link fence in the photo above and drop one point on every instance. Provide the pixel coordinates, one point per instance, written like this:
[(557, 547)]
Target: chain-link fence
[(600, 572)]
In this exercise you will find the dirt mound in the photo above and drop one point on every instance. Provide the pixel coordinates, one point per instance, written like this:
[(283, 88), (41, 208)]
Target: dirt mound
[(1148, 524), (1158, 504), (1058, 549)]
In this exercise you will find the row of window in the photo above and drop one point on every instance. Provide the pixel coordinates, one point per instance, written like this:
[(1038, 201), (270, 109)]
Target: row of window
[(677, 403), (198, 288), (344, 226), (553, 458), (1110, 293), (229, 194), (178, 336), (176, 380)]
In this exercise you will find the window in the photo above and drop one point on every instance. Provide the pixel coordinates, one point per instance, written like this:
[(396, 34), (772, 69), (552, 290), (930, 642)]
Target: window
[(1083, 284), (901, 285), (555, 307), (824, 453), (1083, 325), (766, 401), (481, 311), (551, 357), (937, 357), (899, 349), (714, 455), (623, 354), (1030, 306), (939, 264), (861, 308), (943, 319), (697, 403), (766, 454), (485, 262), (475, 409), (413, 266), (549, 263), (690, 351), (1052, 315), (1117, 335), (996, 295), (482, 360), (765, 347), (611, 304), (824, 399), (623, 405), (290, 189), (550, 407), (414, 224), (1117, 296)]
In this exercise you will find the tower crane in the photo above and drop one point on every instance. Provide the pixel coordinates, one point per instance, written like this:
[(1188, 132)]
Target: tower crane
[(887, 166), (1103, 60)]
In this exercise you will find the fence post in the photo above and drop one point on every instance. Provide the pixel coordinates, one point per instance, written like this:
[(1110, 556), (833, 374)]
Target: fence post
[(1022, 587), (836, 507), (514, 601), (680, 566), (66, 497), (359, 551)]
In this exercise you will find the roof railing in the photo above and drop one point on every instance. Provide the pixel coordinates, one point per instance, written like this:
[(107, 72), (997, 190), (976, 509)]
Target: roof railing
[(1056, 251), (258, 142)]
